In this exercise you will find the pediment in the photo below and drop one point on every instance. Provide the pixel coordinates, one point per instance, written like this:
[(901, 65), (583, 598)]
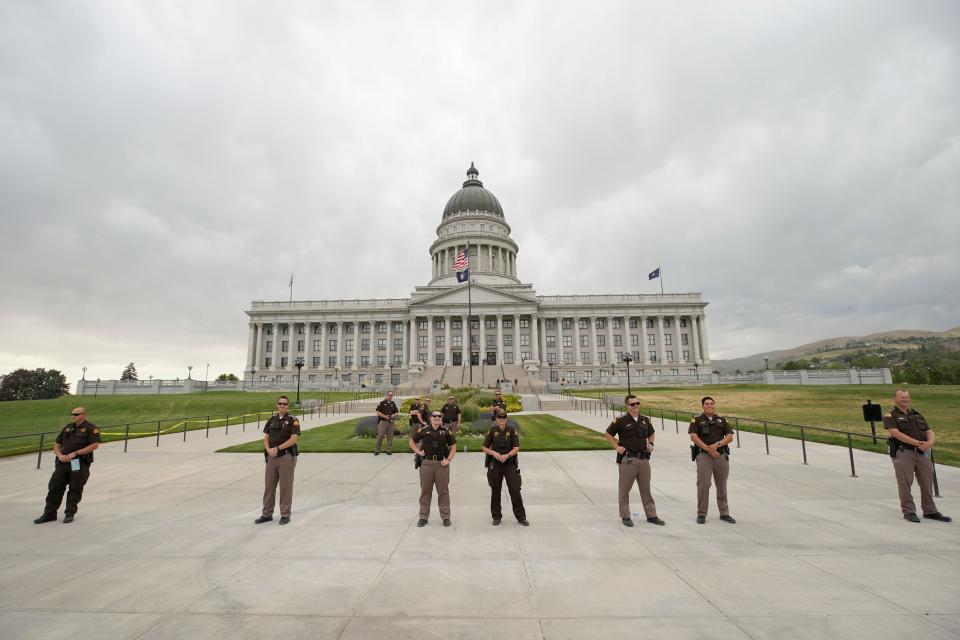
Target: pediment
[(479, 295)]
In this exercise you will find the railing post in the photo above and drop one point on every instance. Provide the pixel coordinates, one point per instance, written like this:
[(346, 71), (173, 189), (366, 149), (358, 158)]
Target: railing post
[(853, 469), (803, 445), (126, 438), (736, 420), (158, 433), (208, 426), (40, 451), (226, 431), (766, 437), (661, 419), (184, 429), (676, 424), (936, 485)]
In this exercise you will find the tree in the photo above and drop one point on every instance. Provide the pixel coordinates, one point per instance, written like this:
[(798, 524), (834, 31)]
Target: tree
[(39, 384), (129, 374), (227, 377)]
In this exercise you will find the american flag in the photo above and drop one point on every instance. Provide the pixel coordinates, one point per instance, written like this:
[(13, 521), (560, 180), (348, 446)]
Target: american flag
[(462, 262)]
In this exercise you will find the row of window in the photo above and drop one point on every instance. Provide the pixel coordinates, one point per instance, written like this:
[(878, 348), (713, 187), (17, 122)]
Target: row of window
[(489, 323), (571, 377)]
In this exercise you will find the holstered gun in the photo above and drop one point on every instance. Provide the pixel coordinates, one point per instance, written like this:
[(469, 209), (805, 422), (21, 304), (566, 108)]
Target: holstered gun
[(893, 445), (694, 452), (417, 461)]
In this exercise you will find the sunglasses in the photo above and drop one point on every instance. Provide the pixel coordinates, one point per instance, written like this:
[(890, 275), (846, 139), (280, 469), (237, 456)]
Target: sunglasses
[(76, 414), (501, 417), (633, 404), (435, 415), (281, 404)]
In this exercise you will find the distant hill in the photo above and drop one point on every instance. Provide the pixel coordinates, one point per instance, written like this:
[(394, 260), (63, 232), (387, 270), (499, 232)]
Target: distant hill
[(833, 348)]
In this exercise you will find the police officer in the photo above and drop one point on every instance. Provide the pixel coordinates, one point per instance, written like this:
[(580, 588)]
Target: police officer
[(634, 444), (451, 415), (280, 453), (436, 445), (910, 440), (502, 445), (498, 403), (416, 419), (73, 449), (387, 411), (711, 435)]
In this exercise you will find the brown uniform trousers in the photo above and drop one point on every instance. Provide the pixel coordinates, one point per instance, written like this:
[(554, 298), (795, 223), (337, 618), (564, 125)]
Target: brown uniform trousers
[(433, 473), (906, 465), (636, 470), (279, 469), (718, 469), (385, 428), (61, 479), (495, 476)]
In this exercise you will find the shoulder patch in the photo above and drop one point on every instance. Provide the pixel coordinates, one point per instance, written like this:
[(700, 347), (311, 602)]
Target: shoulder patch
[(96, 430), (296, 422), (888, 415), (693, 421)]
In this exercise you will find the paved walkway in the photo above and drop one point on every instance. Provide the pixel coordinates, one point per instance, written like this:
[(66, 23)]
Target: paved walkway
[(164, 546)]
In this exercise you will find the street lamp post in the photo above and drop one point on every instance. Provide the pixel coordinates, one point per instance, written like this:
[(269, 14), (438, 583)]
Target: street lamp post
[(766, 363), (628, 359), (84, 369), (550, 367), (390, 366), (696, 371), (298, 363), (336, 376), (253, 384), (206, 377), (189, 370), (96, 388)]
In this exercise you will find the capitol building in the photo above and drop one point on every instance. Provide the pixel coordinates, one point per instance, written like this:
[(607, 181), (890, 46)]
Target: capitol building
[(505, 329)]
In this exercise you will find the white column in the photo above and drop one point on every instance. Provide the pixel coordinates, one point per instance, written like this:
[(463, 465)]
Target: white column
[(678, 341), (447, 359), (661, 348), (644, 349), (251, 345), (258, 350), (534, 345), (611, 358), (695, 339), (500, 338), (356, 344), (389, 345), (576, 341), (593, 339), (307, 344), (516, 339), (324, 334), (410, 335), (483, 333), (431, 349), (291, 344), (705, 354), (275, 358), (559, 340), (340, 337)]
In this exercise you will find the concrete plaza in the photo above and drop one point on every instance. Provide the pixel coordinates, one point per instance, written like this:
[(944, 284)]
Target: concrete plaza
[(164, 546)]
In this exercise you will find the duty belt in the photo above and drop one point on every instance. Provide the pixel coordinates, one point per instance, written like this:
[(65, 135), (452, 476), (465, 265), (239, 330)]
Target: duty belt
[(640, 455), (434, 457)]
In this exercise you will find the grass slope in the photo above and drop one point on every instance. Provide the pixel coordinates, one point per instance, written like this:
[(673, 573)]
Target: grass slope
[(37, 416), (541, 432), (832, 407)]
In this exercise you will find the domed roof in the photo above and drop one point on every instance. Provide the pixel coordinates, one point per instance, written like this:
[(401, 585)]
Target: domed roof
[(473, 197)]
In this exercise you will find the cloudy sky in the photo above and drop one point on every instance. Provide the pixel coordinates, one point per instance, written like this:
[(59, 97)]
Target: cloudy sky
[(163, 164)]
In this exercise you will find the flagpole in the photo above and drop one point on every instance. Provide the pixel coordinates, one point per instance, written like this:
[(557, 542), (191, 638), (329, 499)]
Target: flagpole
[(661, 279), (291, 287), (469, 314)]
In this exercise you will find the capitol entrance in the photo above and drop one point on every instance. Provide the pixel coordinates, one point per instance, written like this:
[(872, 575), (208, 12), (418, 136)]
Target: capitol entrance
[(457, 358)]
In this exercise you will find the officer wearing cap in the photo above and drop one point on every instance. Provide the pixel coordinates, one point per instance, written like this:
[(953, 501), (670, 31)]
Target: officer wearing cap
[(634, 444), (73, 449), (711, 434), (498, 403), (910, 440), (280, 453), (387, 411), (502, 445), (417, 418), (451, 415), (436, 446)]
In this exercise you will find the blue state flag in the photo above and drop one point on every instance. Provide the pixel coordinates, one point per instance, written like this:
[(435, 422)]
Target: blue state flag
[(654, 274), (463, 276)]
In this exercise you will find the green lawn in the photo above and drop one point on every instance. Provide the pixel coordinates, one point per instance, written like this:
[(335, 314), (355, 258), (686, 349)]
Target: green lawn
[(541, 432), (142, 413), (832, 407)]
